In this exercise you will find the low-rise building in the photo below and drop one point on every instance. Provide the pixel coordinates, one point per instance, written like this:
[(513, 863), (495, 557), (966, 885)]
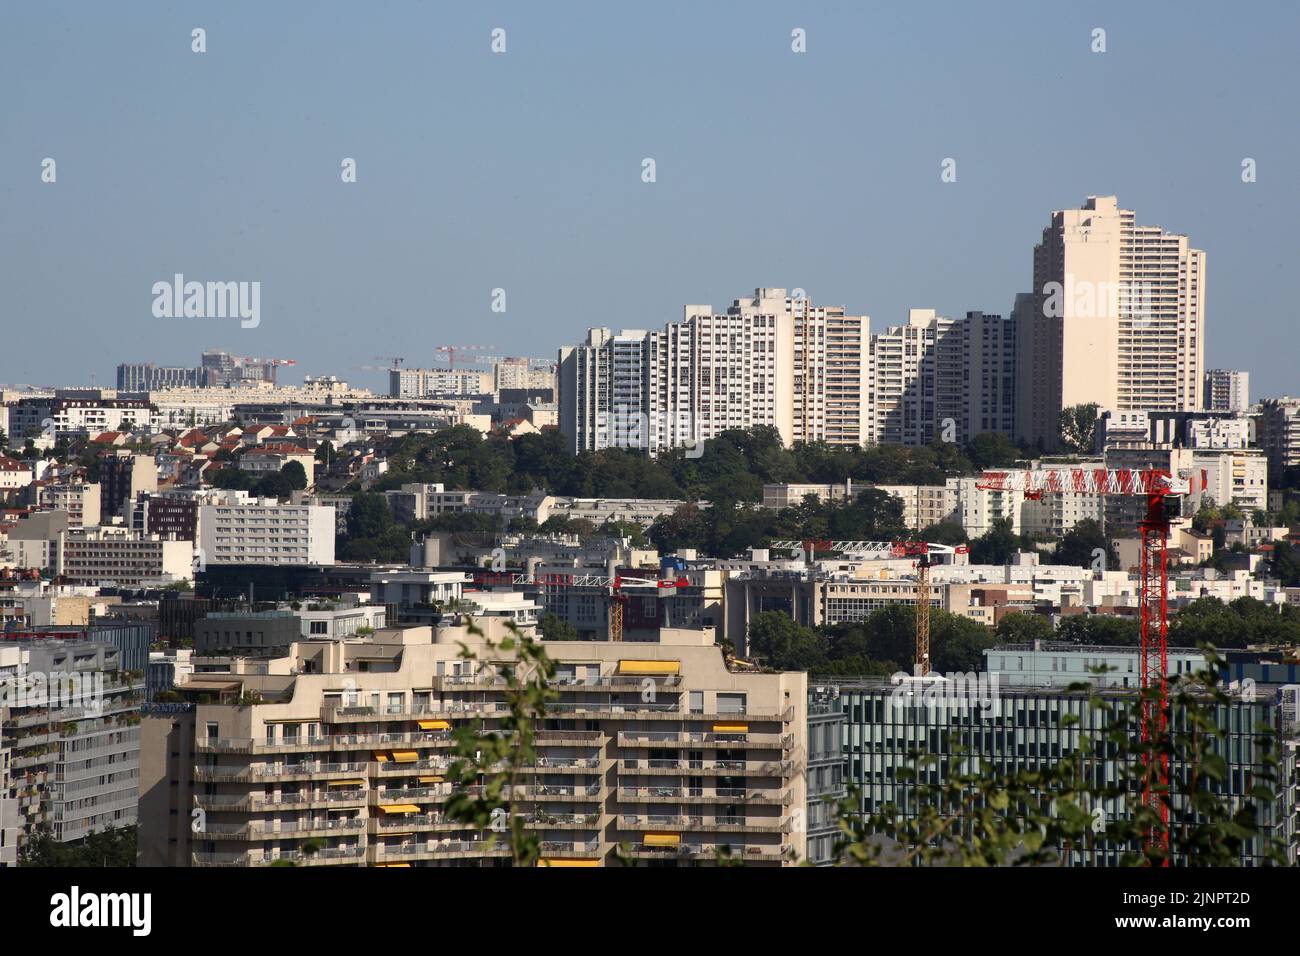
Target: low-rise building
[(117, 555)]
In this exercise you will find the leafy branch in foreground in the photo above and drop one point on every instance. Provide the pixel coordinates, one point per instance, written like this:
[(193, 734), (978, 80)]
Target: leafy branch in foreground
[(486, 775), (969, 812)]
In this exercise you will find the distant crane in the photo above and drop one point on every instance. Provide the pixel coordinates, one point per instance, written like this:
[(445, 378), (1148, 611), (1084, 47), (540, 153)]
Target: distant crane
[(395, 361), (921, 663), (451, 350), (1163, 492)]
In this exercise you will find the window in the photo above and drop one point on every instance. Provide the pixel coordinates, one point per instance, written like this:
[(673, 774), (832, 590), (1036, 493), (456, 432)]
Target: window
[(731, 703), (697, 702)]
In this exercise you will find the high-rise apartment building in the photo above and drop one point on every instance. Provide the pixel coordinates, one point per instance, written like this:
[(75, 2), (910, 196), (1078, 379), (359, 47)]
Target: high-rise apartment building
[(1227, 390), (1279, 434), (1117, 319), (937, 378), (772, 359)]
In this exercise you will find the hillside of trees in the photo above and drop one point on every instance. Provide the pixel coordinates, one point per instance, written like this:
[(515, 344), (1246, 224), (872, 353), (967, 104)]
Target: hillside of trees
[(733, 467)]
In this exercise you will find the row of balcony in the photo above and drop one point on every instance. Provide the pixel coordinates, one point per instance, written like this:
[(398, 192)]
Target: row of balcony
[(381, 853)]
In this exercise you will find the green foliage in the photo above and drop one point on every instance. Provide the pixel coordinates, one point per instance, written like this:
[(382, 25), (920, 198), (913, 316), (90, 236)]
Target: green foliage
[(1239, 624), (487, 774), (1080, 544), (729, 528), (554, 628), (1285, 564), (999, 544), (114, 847), (1099, 630), (883, 644), (732, 467), (295, 475), (292, 477), (1023, 628), (1079, 428), (372, 535), (968, 812)]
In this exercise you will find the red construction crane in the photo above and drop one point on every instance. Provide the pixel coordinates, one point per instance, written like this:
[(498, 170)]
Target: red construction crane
[(451, 350), (1162, 491)]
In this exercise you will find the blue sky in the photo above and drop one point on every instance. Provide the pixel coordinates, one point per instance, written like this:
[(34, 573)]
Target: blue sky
[(522, 171)]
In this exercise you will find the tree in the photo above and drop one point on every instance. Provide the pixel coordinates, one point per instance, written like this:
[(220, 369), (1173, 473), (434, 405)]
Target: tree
[(295, 475), (1081, 545), (997, 545), (1079, 428), (554, 628), (992, 450), (945, 532), (1097, 630), (1021, 627), (489, 765), (777, 640)]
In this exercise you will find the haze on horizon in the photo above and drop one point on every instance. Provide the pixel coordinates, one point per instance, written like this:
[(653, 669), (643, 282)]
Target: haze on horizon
[(522, 171)]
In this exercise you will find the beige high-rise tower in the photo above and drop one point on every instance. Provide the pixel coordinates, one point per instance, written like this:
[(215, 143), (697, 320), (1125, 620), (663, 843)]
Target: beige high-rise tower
[(1117, 319)]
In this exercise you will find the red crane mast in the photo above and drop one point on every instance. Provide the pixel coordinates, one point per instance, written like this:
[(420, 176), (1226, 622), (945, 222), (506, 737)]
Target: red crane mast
[(1161, 489)]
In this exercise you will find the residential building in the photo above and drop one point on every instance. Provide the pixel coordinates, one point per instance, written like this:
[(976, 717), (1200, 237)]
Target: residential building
[(1227, 390), (235, 528), (77, 414), (1279, 434), (69, 729), (438, 382), (666, 751), (119, 556), (772, 359), (81, 500), (14, 474), (941, 379), (123, 476), (1117, 319)]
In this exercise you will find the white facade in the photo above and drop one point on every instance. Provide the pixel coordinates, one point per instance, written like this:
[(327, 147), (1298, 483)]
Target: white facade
[(1117, 319), (772, 359), (118, 555), (238, 529), (1227, 390), (1236, 476)]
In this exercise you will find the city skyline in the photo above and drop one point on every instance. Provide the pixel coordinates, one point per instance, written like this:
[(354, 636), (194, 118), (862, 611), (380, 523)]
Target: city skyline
[(522, 191)]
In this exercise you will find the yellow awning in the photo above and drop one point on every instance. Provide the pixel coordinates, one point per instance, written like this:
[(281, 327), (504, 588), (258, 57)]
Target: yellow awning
[(662, 839), (389, 866), (405, 756), (560, 861), (649, 667), (430, 779), (401, 808), (381, 758), (346, 783), (731, 728), (434, 725)]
